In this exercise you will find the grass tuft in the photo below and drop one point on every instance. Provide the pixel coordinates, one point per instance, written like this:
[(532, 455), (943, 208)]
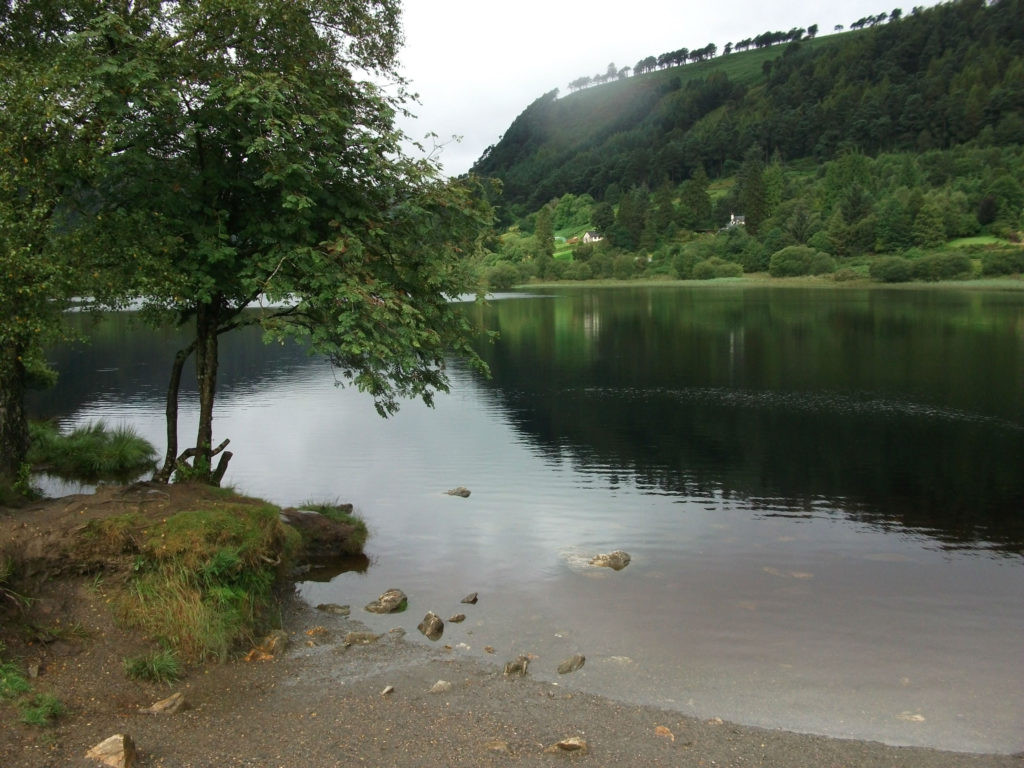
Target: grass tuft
[(7, 592), (41, 710), (91, 452), (157, 667), (12, 682)]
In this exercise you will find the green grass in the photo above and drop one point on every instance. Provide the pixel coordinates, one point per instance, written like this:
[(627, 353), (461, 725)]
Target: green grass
[(982, 240), (157, 667), (38, 709), (41, 709), (91, 452), (12, 682), (203, 578)]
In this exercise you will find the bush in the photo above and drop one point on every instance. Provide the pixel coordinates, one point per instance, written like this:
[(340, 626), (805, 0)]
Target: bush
[(578, 270), (1002, 263), (891, 269), (601, 264), (624, 266), (797, 260), (502, 276), (716, 267), (942, 266)]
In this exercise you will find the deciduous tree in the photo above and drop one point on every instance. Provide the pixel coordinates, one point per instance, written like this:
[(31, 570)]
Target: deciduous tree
[(251, 165)]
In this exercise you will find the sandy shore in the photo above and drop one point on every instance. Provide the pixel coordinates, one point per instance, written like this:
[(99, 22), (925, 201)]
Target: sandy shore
[(322, 703)]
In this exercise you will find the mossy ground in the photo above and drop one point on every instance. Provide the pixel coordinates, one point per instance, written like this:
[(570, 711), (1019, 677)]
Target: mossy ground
[(125, 590)]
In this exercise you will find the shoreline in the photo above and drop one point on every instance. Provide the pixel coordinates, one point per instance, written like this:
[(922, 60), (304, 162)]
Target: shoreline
[(1009, 284), (322, 702)]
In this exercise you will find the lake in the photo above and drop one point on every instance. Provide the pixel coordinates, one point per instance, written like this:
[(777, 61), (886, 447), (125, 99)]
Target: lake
[(820, 489)]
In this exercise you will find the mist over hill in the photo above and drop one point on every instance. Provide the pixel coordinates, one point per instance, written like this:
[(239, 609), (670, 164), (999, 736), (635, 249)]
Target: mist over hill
[(930, 79)]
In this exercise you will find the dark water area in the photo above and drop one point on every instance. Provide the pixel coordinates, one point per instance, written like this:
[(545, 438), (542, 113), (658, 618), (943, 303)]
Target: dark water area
[(821, 492), (898, 408)]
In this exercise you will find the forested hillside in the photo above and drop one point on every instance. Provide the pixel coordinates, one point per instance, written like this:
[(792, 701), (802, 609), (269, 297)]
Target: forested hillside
[(933, 79)]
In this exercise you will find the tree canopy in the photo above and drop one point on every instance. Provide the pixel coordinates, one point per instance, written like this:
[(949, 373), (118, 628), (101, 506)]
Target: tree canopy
[(246, 168), (936, 78)]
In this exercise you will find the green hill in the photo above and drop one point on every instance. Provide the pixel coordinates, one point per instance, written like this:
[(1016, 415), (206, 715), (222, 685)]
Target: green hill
[(935, 79)]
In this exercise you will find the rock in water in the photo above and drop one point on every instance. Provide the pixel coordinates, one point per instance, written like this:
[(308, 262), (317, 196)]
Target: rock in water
[(392, 601), (470, 599), (460, 491), (572, 664), (518, 667), (441, 686), (118, 751), (616, 560), (431, 626), (457, 618)]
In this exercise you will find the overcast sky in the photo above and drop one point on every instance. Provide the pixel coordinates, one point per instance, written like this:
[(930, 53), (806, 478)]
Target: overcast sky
[(476, 65)]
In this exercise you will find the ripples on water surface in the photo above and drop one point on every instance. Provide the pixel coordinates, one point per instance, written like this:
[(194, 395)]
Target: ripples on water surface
[(840, 557)]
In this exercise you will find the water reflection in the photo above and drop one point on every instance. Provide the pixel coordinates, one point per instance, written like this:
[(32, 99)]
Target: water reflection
[(897, 408), (820, 492)]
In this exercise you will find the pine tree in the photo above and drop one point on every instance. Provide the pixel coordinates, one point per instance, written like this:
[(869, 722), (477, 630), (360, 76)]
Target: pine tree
[(752, 195)]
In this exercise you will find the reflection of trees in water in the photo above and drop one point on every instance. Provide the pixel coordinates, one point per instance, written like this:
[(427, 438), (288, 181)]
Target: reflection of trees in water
[(123, 356), (665, 392)]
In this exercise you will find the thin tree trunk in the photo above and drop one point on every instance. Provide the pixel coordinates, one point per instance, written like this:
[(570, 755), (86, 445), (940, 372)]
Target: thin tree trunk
[(13, 422), (207, 321), (163, 475)]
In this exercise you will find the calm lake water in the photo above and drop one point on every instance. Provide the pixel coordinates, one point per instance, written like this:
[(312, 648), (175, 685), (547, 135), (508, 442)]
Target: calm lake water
[(821, 491)]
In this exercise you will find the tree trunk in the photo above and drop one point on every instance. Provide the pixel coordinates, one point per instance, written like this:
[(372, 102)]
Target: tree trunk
[(13, 422), (163, 475), (207, 326)]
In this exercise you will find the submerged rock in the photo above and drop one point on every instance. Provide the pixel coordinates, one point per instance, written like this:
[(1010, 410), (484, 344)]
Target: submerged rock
[(460, 491), (392, 601), (431, 626), (616, 560), (572, 664)]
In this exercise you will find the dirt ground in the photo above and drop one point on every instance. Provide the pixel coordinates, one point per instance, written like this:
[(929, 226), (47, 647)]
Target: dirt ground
[(323, 702)]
